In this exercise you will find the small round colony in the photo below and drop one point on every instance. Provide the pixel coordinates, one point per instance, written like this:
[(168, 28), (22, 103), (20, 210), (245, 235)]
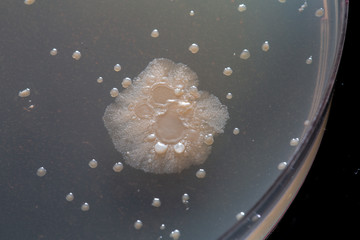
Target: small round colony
[(156, 202), (227, 71), (319, 12), (29, 2), (126, 82), (117, 68), (41, 172), (138, 224), (265, 47), (24, 93), (85, 207), (242, 8), (53, 52), (76, 55), (99, 80), (118, 167), (162, 123), (114, 92), (93, 163), (194, 48), (69, 197), (201, 173), (155, 33), (245, 54)]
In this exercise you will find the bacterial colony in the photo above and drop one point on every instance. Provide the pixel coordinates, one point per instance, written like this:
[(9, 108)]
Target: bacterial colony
[(162, 122)]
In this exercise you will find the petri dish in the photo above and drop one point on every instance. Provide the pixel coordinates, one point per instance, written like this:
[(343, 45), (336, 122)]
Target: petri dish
[(271, 65)]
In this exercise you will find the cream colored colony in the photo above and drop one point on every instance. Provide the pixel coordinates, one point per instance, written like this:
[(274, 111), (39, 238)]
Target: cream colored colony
[(162, 123)]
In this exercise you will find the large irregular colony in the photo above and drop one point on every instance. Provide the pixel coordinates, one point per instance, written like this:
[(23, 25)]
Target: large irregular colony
[(162, 123)]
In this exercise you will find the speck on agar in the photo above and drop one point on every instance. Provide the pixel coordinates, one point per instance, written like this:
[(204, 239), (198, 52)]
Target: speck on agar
[(242, 7), (294, 142), (117, 68), (138, 224), (265, 46), (163, 123), (175, 234), (227, 71), (53, 52), (85, 207), (118, 167), (76, 55), (114, 92), (319, 12), (156, 202), (29, 2), (245, 54), (93, 163), (24, 93), (154, 33), (201, 173), (69, 197), (41, 172), (194, 48)]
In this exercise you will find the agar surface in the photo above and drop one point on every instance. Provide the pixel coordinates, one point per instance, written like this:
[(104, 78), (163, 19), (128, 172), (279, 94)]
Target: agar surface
[(162, 123)]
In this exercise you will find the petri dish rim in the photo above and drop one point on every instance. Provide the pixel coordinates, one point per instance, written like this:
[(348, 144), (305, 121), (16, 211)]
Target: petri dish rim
[(253, 218)]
